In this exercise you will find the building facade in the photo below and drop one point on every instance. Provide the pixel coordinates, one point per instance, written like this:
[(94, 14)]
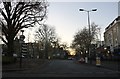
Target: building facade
[(112, 35)]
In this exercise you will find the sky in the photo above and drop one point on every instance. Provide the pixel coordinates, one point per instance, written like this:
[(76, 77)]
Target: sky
[(67, 19)]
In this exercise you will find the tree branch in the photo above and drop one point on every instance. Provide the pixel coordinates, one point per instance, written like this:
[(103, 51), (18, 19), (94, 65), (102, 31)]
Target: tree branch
[(3, 39)]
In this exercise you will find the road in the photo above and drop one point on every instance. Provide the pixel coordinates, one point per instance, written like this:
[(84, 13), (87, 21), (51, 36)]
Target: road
[(64, 68)]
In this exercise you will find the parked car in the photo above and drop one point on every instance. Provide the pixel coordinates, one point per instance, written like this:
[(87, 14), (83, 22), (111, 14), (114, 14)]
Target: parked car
[(70, 58), (81, 60)]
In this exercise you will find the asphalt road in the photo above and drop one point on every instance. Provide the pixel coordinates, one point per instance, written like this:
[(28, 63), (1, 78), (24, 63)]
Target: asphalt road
[(64, 68)]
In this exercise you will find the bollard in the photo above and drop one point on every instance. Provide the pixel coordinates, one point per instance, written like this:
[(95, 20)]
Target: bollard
[(86, 60), (37, 57), (49, 57), (98, 62)]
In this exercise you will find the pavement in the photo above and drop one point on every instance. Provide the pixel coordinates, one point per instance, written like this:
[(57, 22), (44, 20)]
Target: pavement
[(112, 65), (26, 65)]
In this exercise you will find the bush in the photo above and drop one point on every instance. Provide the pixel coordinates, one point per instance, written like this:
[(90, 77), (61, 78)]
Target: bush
[(8, 60)]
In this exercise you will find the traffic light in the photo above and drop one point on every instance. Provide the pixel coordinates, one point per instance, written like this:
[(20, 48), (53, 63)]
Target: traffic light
[(23, 48)]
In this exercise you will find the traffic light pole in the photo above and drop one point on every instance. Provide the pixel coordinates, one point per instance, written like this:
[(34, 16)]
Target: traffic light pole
[(20, 56), (21, 40)]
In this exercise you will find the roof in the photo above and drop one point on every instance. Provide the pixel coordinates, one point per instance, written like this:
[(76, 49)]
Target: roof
[(114, 21)]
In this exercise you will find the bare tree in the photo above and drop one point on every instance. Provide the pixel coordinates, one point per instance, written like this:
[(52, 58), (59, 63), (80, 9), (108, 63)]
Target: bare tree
[(64, 46), (94, 32), (46, 35), (18, 15), (83, 38)]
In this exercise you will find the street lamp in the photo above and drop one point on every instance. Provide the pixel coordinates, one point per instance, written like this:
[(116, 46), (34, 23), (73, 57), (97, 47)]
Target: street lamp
[(88, 11)]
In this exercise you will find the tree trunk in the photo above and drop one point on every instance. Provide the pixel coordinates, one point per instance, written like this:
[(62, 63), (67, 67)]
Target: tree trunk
[(10, 46), (46, 47), (46, 51)]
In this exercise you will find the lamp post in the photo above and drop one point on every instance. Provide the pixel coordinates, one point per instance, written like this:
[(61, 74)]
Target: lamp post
[(88, 11)]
